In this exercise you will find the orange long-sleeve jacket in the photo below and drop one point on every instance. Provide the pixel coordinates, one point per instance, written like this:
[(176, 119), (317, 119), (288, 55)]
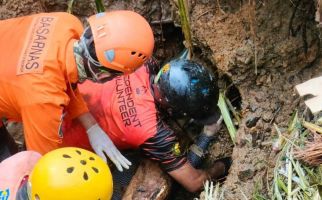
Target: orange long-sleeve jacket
[(37, 71)]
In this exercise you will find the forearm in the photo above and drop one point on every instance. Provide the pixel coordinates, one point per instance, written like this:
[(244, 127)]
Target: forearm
[(197, 150), (87, 120), (190, 178), (101, 143)]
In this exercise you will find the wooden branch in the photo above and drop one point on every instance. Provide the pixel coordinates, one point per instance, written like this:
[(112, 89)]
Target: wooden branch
[(149, 182)]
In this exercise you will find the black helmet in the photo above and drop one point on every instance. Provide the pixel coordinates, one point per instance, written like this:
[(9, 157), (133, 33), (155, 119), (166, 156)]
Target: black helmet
[(187, 88)]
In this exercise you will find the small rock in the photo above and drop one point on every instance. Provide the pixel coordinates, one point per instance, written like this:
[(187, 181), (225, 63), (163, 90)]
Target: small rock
[(267, 117), (248, 60), (260, 96), (251, 121), (276, 24), (248, 138), (246, 174), (239, 52), (269, 80), (253, 107), (242, 142)]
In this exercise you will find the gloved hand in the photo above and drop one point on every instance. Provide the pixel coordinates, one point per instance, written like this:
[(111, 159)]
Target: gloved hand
[(212, 129), (102, 143)]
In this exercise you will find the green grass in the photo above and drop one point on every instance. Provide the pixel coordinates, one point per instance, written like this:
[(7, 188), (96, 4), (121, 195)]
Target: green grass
[(227, 118), (185, 25), (293, 179), (99, 6)]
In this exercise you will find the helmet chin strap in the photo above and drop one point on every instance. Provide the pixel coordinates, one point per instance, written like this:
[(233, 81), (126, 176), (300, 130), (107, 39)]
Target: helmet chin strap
[(94, 70), (79, 59), (90, 60)]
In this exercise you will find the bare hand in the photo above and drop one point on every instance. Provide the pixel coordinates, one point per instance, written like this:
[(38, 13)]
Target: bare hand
[(212, 129)]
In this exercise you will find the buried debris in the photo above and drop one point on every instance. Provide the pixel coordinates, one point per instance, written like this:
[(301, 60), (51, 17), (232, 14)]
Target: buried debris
[(149, 182)]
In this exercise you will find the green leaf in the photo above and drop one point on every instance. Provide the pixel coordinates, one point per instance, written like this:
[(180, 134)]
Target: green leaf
[(226, 116), (281, 184), (99, 6), (312, 127), (184, 18), (293, 122)]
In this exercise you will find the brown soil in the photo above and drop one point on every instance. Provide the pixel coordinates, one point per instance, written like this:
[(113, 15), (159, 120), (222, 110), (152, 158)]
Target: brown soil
[(277, 39), (281, 40)]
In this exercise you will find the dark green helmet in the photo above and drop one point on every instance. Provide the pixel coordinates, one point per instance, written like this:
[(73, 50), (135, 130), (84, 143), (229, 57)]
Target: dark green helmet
[(186, 88)]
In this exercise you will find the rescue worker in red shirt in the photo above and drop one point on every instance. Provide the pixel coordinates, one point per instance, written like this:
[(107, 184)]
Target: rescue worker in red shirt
[(64, 173), (128, 108), (42, 59)]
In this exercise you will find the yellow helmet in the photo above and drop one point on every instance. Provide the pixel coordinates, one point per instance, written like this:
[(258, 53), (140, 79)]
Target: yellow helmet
[(71, 174)]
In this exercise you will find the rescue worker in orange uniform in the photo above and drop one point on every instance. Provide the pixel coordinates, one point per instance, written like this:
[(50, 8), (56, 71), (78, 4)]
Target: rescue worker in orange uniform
[(130, 108), (44, 56), (65, 173)]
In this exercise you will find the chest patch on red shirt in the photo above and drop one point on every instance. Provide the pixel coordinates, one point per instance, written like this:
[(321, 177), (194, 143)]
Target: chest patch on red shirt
[(125, 102)]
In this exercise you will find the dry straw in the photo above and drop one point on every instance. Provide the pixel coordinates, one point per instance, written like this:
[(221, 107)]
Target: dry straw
[(292, 178)]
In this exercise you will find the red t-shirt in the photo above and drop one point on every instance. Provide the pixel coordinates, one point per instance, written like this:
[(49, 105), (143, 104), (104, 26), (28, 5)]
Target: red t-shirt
[(125, 109)]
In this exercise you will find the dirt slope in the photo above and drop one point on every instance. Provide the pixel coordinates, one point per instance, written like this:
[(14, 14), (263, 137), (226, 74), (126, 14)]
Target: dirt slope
[(280, 39)]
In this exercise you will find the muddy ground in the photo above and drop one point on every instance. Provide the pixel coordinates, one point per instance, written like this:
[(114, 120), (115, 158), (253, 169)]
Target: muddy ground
[(263, 48)]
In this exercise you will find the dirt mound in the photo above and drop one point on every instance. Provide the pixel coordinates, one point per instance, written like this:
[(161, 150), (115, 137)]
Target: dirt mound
[(278, 40)]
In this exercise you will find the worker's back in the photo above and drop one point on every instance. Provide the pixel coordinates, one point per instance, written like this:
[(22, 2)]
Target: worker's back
[(37, 66), (32, 54), (124, 107)]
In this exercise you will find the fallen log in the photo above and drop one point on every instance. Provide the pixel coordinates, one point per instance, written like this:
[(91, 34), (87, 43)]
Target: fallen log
[(149, 182)]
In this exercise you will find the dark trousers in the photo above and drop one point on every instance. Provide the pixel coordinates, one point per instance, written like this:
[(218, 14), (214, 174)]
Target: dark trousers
[(8, 146)]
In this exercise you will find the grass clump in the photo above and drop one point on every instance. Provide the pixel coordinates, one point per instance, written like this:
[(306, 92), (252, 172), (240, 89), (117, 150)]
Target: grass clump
[(294, 179)]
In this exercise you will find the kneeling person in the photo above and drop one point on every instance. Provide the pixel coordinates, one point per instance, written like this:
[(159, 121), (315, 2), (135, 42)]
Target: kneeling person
[(128, 109)]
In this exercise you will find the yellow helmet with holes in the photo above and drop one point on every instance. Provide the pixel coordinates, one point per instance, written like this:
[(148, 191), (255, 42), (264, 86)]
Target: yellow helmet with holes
[(71, 173)]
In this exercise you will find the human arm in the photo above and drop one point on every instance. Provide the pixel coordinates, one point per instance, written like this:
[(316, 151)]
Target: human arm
[(190, 177), (193, 179), (163, 147), (198, 149), (99, 140), (101, 143)]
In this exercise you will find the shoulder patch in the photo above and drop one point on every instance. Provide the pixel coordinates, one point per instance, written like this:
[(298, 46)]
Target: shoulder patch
[(176, 149), (165, 68), (36, 45)]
